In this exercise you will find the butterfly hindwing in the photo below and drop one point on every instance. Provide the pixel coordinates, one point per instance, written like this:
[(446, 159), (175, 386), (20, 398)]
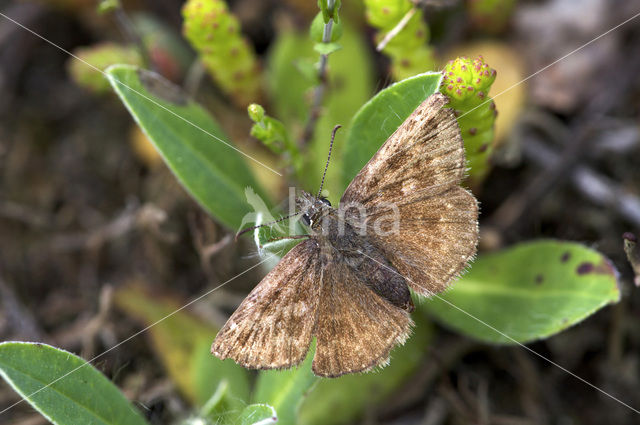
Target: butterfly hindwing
[(272, 328), (355, 328)]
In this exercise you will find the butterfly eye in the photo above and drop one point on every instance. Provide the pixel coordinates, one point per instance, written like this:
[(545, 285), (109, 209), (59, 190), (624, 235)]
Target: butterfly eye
[(326, 201), (306, 219)]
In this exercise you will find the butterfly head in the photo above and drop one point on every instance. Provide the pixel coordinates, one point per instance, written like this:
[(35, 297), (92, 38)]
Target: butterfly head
[(312, 208)]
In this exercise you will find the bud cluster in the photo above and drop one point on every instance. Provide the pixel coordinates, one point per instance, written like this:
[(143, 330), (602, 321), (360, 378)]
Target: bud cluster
[(466, 82), (215, 33), (408, 49)]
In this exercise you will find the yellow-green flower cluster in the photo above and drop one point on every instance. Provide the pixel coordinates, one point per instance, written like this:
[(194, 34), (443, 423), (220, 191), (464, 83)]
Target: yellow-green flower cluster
[(215, 33), (100, 56), (467, 82), (408, 50), (490, 16)]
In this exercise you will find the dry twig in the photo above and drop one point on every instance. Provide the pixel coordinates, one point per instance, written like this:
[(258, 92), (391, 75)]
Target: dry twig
[(147, 216), (632, 250)]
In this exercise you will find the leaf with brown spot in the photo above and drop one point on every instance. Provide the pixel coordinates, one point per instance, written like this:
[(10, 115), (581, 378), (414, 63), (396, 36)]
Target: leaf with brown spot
[(503, 291)]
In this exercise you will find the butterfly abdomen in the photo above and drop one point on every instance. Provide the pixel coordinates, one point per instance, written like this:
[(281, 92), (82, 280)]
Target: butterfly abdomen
[(341, 242)]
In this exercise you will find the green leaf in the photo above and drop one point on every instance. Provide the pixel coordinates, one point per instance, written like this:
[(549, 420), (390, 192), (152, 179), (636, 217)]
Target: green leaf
[(284, 389), (63, 387), (208, 371), (316, 31), (527, 292), (182, 343), (267, 239), (380, 117), (351, 395), (326, 48), (216, 400), (258, 414), (192, 144), (269, 244), (290, 75), (292, 78)]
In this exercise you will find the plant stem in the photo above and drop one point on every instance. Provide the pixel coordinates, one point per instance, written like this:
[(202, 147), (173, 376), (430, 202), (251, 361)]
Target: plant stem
[(632, 249), (319, 91)]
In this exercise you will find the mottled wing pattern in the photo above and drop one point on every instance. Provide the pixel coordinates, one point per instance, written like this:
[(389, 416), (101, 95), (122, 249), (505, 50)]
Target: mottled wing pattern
[(355, 328), (313, 292), (272, 328), (425, 151), (436, 239), (418, 170)]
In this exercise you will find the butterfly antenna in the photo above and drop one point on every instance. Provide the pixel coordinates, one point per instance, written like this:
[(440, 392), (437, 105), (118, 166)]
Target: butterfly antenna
[(248, 229), (333, 136)]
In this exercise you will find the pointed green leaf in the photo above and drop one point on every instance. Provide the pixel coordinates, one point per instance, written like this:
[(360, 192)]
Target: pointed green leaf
[(380, 117), (207, 371), (258, 414), (63, 387), (326, 48), (527, 292), (192, 144)]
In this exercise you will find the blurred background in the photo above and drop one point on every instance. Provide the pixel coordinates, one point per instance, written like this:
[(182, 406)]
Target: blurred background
[(92, 221)]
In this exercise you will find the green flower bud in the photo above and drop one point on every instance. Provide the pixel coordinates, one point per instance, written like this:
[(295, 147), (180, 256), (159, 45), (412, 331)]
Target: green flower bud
[(466, 82), (256, 112), (464, 78)]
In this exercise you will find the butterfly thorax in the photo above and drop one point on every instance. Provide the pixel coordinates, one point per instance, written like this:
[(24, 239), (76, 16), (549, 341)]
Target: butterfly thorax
[(340, 240)]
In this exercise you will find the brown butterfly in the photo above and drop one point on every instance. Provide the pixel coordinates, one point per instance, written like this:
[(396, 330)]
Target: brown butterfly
[(403, 223)]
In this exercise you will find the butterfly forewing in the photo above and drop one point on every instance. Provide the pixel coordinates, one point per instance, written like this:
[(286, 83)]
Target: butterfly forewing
[(417, 173), (355, 328), (425, 151), (436, 239), (272, 328)]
